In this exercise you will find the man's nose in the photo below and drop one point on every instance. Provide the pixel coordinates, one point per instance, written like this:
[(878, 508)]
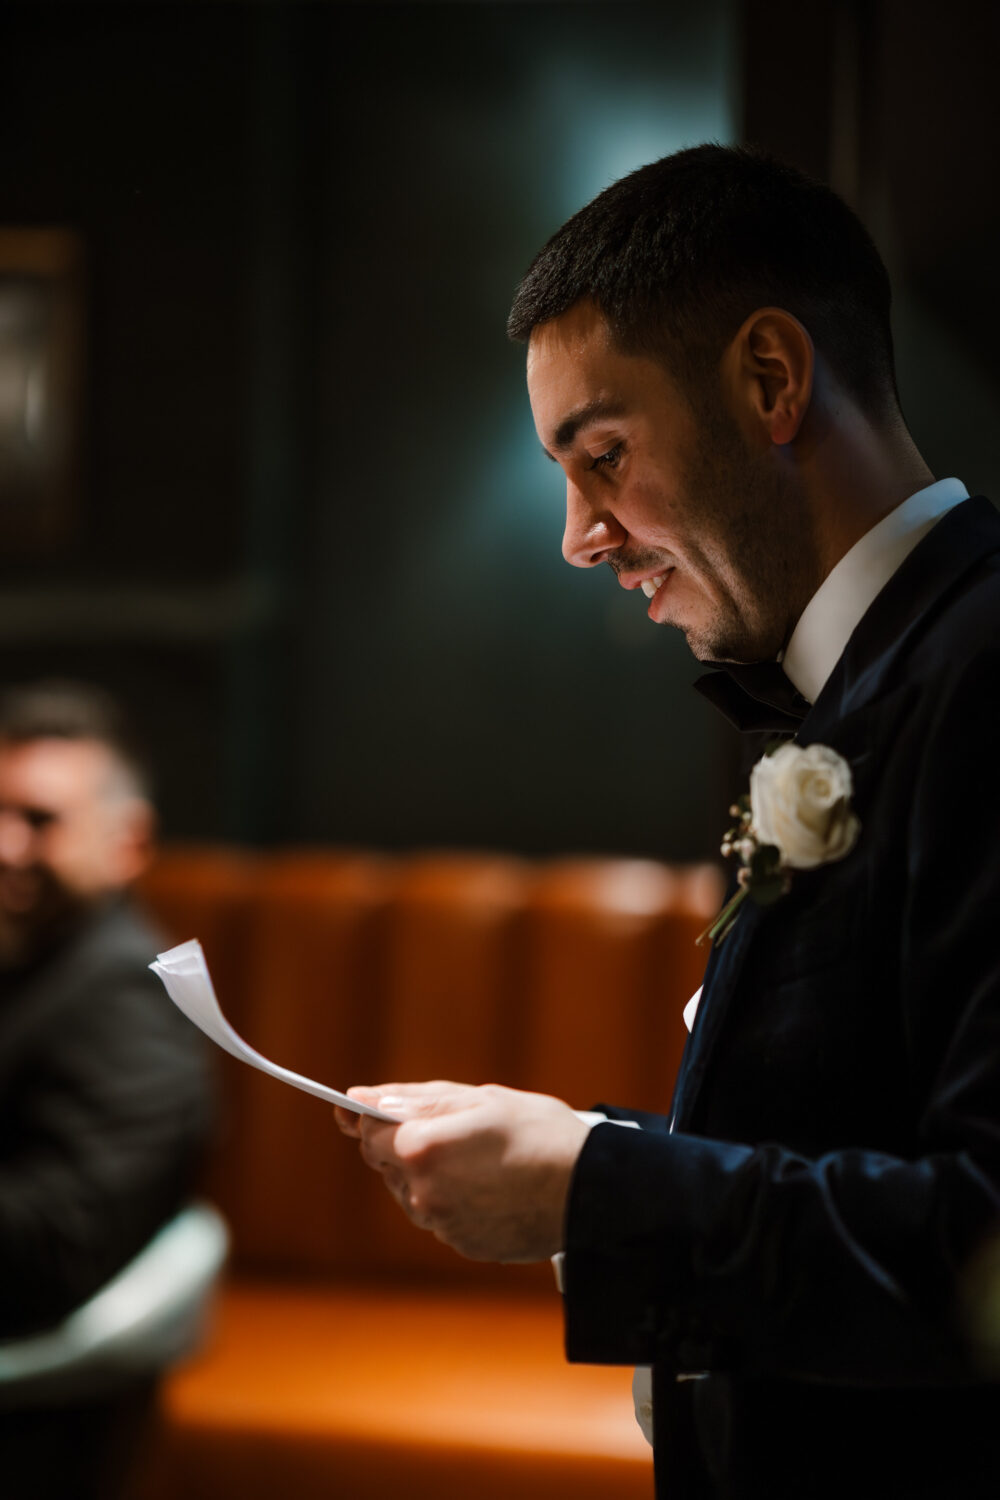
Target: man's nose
[(15, 839), (591, 534)]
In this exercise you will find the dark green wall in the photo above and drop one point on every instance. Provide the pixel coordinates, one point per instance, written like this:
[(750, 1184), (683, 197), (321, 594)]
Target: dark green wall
[(316, 545), (464, 684)]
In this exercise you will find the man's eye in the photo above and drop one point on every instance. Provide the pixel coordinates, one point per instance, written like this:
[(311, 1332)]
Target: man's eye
[(607, 460), (39, 818)]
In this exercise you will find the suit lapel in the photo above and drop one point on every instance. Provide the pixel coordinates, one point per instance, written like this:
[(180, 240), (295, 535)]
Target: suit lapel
[(902, 611), (847, 713), (722, 972)]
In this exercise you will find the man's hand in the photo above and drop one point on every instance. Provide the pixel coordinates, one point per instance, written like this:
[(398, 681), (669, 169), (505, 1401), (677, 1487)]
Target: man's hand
[(486, 1170)]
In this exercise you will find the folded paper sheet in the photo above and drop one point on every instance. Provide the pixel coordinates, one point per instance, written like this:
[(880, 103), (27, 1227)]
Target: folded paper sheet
[(188, 983)]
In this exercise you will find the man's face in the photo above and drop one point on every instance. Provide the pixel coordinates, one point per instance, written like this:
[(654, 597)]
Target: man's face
[(69, 835), (674, 499)]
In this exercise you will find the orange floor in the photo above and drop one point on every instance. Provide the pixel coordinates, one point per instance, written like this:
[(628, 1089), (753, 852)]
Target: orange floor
[(360, 1393)]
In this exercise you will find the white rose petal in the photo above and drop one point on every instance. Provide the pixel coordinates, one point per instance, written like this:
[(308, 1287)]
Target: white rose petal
[(801, 801)]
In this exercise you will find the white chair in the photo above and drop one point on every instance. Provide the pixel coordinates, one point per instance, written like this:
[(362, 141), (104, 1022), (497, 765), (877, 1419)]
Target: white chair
[(145, 1319)]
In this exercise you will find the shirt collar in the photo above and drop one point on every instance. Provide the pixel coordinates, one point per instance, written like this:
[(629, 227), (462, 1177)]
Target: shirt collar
[(828, 620)]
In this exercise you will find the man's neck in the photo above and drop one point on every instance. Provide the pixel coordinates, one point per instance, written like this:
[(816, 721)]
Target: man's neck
[(853, 473)]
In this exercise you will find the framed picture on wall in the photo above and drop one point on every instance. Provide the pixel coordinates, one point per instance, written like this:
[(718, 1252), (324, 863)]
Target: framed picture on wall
[(41, 348)]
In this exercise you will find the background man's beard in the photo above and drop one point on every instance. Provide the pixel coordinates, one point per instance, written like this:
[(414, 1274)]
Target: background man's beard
[(26, 933)]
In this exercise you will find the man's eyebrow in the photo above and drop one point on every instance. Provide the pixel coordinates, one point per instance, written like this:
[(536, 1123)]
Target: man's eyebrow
[(594, 411)]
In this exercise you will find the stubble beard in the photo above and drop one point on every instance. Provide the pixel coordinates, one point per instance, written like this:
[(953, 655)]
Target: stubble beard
[(764, 549), (31, 929)]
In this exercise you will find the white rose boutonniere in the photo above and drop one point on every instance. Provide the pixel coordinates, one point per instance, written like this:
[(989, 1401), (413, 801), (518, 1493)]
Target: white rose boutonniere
[(801, 801), (798, 816)]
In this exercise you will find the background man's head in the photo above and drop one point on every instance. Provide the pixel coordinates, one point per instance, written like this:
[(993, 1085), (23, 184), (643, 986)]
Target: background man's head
[(677, 254), (76, 822)]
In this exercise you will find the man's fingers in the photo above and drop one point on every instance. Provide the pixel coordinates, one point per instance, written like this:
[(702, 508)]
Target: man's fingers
[(426, 1116), (373, 1093), (405, 1101), (377, 1141), (364, 1093), (409, 1106), (396, 1181), (347, 1121)]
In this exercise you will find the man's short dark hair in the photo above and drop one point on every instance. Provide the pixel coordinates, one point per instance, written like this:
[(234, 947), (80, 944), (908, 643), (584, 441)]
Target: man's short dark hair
[(677, 254), (64, 710)]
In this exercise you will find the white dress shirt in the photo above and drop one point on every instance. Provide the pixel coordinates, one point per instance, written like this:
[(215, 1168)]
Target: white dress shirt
[(829, 619)]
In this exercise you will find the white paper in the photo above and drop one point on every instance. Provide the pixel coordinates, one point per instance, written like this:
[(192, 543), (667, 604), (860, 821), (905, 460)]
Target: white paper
[(187, 981)]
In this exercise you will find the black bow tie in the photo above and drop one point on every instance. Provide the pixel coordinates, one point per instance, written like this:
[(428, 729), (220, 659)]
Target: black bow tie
[(756, 697)]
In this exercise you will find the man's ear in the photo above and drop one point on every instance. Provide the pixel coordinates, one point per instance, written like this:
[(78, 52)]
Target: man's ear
[(770, 366)]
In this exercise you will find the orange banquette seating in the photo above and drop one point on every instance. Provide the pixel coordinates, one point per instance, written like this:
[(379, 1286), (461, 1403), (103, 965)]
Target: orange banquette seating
[(351, 1355)]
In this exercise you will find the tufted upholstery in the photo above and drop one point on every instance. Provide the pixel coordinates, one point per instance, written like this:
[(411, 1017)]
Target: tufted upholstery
[(355, 1355)]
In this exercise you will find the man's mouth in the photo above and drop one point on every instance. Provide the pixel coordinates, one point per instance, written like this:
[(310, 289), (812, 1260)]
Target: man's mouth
[(649, 586)]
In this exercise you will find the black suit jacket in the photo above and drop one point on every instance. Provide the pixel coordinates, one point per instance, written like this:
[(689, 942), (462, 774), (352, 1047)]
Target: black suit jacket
[(104, 1113), (806, 1233)]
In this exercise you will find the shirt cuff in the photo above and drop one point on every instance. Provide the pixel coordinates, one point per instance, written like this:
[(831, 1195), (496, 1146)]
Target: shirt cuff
[(589, 1117)]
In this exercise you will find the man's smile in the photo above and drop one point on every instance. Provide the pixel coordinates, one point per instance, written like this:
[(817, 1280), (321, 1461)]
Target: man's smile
[(651, 584)]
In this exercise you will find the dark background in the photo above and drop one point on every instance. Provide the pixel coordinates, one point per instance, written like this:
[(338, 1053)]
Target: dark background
[(314, 542)]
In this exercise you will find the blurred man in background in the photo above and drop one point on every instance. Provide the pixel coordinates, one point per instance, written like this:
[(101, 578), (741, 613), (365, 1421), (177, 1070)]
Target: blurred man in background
[(104, 1104)]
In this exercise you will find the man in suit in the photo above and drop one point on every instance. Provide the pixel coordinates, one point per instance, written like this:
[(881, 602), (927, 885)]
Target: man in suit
[(104, 1099), (795, 1249)]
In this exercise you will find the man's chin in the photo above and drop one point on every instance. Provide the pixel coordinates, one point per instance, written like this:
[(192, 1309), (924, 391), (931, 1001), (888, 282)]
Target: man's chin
[(712, 651), (715, 637), (714, 646)]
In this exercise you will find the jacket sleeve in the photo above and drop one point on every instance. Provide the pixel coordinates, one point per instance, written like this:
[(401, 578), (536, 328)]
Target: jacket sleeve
[(102, 1141), (702, 1254)]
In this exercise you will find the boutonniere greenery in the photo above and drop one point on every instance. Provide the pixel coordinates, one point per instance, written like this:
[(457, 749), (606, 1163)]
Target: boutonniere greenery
[(798, 816)]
